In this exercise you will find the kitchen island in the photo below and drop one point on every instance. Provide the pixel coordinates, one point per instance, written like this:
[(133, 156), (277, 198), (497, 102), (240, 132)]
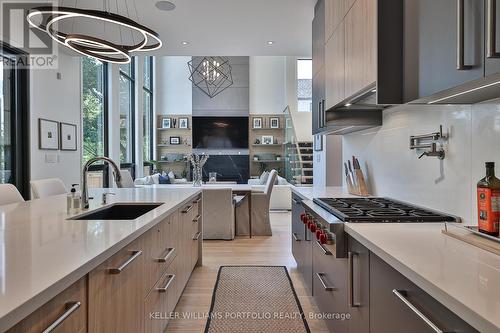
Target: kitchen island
[(43, 253), (395, 270)]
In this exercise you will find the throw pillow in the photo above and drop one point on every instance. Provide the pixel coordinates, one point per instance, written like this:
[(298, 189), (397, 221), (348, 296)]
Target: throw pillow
[(164, 180), (171, 175), (263, 177)]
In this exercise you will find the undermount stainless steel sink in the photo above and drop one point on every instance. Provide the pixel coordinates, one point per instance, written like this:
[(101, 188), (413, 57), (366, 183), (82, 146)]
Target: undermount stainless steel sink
[(119, 211)]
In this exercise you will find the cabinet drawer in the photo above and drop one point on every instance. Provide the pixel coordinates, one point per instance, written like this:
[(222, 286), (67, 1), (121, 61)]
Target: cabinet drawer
[(156, 305), (67, 312), (117, 291), (389, 313), (330, 286)]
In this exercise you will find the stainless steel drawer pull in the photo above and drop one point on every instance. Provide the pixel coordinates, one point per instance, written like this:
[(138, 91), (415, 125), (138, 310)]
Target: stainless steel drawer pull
[(135, 255), (401, 295), (491, 47), (170, 253), (197, 236), (325, 251), (185, 211), (197, 201), (296, 202), (197, 218), (71, 307), (350, 281), (294, 234), (171, 278), (323, 283)]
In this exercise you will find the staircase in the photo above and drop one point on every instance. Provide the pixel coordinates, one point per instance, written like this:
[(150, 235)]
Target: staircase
[(299, 156)]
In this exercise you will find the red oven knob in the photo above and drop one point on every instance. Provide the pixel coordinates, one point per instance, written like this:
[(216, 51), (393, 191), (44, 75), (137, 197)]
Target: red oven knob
[(302, 217), (322, 239), (319, 232), (313, 227)]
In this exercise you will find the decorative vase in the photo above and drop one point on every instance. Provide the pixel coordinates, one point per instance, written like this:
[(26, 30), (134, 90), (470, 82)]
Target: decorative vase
[(198, 161)]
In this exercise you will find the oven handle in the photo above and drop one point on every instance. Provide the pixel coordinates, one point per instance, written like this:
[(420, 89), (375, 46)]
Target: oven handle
[(323, 249)]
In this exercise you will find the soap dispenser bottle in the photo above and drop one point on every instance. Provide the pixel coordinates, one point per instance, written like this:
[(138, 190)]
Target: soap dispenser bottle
[(70, 199)]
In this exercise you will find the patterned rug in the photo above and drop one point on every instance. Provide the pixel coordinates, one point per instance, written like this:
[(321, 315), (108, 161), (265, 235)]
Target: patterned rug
[(255, 299)]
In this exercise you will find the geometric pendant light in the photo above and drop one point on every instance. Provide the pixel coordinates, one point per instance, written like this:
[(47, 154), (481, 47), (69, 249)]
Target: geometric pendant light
[(100, 34), (212, 75)]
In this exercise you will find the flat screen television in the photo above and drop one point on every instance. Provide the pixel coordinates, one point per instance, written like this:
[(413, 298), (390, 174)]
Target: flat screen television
[(220, 132)]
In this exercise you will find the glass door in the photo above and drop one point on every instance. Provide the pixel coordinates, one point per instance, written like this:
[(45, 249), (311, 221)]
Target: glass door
[(14, 149)]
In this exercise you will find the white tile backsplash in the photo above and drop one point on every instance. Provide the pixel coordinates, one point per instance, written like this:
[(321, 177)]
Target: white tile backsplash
[(448, 185)]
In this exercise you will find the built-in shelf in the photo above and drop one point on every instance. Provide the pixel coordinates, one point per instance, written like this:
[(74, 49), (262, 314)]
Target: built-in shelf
[(169, 145), (173, 129), (162, 161), (267, 129), (269, 145)]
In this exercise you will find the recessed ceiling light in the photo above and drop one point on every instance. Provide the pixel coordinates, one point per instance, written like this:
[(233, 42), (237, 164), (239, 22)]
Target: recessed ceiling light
[(270, 42), (165, 5), (184, 42)]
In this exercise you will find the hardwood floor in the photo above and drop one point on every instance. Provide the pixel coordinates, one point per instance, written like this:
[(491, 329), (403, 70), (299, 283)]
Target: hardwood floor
[(276, 250)]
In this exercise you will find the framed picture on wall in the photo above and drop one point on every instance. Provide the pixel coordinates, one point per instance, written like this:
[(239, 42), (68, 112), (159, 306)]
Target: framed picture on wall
[(48, 134), (175, 140), (166, 123), (67, 138), (318, 142), (274, 122), (257, 122), (267, 139), (183, 122)]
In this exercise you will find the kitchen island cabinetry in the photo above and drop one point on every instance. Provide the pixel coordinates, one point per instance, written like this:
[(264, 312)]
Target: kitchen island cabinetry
[(134, 284)]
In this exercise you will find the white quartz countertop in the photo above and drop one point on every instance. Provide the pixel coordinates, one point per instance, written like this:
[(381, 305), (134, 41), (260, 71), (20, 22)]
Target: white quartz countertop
[(462, 277), (309, 193), (42, 252)]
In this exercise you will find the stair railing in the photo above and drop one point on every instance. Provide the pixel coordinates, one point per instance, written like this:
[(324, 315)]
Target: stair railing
[(293, 157)]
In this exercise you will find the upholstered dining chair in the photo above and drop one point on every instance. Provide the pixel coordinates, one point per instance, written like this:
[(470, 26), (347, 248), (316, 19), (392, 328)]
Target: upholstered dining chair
[(47, 187), (218, 214), (127, 181), (261, 224), (9, 194)]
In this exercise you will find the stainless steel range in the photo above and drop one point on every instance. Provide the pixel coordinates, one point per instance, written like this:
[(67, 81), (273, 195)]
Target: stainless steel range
[(325, 217)]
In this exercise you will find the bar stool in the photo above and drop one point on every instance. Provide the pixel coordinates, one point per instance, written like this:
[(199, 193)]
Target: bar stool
[(9, 194)]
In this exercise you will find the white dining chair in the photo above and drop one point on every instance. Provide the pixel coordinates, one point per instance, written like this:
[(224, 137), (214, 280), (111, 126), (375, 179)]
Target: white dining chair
[(9, 194), (127, 181), (47, 187)]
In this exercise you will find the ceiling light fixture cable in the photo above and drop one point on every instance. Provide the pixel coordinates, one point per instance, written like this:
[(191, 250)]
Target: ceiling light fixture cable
[(104, 48)]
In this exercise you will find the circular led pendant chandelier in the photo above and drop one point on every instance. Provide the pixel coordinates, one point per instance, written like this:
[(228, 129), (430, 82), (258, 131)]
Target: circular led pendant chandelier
[(67, 26)]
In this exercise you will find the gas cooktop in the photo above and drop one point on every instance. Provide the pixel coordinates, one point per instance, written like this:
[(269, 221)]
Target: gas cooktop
[(382, 210)]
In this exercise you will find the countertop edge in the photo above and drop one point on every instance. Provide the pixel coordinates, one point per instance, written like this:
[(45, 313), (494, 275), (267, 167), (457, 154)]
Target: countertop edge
[(464, 312), (15, 316)]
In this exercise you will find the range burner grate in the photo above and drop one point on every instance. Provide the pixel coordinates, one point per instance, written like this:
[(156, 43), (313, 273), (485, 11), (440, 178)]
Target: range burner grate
[(379, 210)]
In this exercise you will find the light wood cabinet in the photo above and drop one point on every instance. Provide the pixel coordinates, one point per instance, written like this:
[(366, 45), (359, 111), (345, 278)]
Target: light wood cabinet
[(335, 11), (335, 67), (116, 291), (360, 46), (157, 304), (69, 308), (318, 39)]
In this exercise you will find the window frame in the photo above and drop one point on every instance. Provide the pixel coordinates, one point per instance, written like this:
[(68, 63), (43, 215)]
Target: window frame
[(131, 79), (105, 105), (20, 122), (151, 109)]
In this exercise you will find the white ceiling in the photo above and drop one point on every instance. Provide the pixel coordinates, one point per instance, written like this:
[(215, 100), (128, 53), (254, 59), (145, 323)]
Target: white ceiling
[(227, 27)]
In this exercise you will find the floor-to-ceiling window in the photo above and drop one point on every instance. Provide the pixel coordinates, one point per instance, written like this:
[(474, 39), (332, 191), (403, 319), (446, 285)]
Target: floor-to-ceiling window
[(304, 82), (127, 112), (14, 119), (147, 98), (95, 118)]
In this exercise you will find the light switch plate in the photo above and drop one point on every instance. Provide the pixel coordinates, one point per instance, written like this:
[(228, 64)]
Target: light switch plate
[(51, 158)]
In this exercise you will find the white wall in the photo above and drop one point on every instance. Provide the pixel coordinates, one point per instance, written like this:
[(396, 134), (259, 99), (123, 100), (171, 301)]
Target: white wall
[(267, 85), (302, 121), (449, 185), (174, 93), (328, 162), (57, 100)]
